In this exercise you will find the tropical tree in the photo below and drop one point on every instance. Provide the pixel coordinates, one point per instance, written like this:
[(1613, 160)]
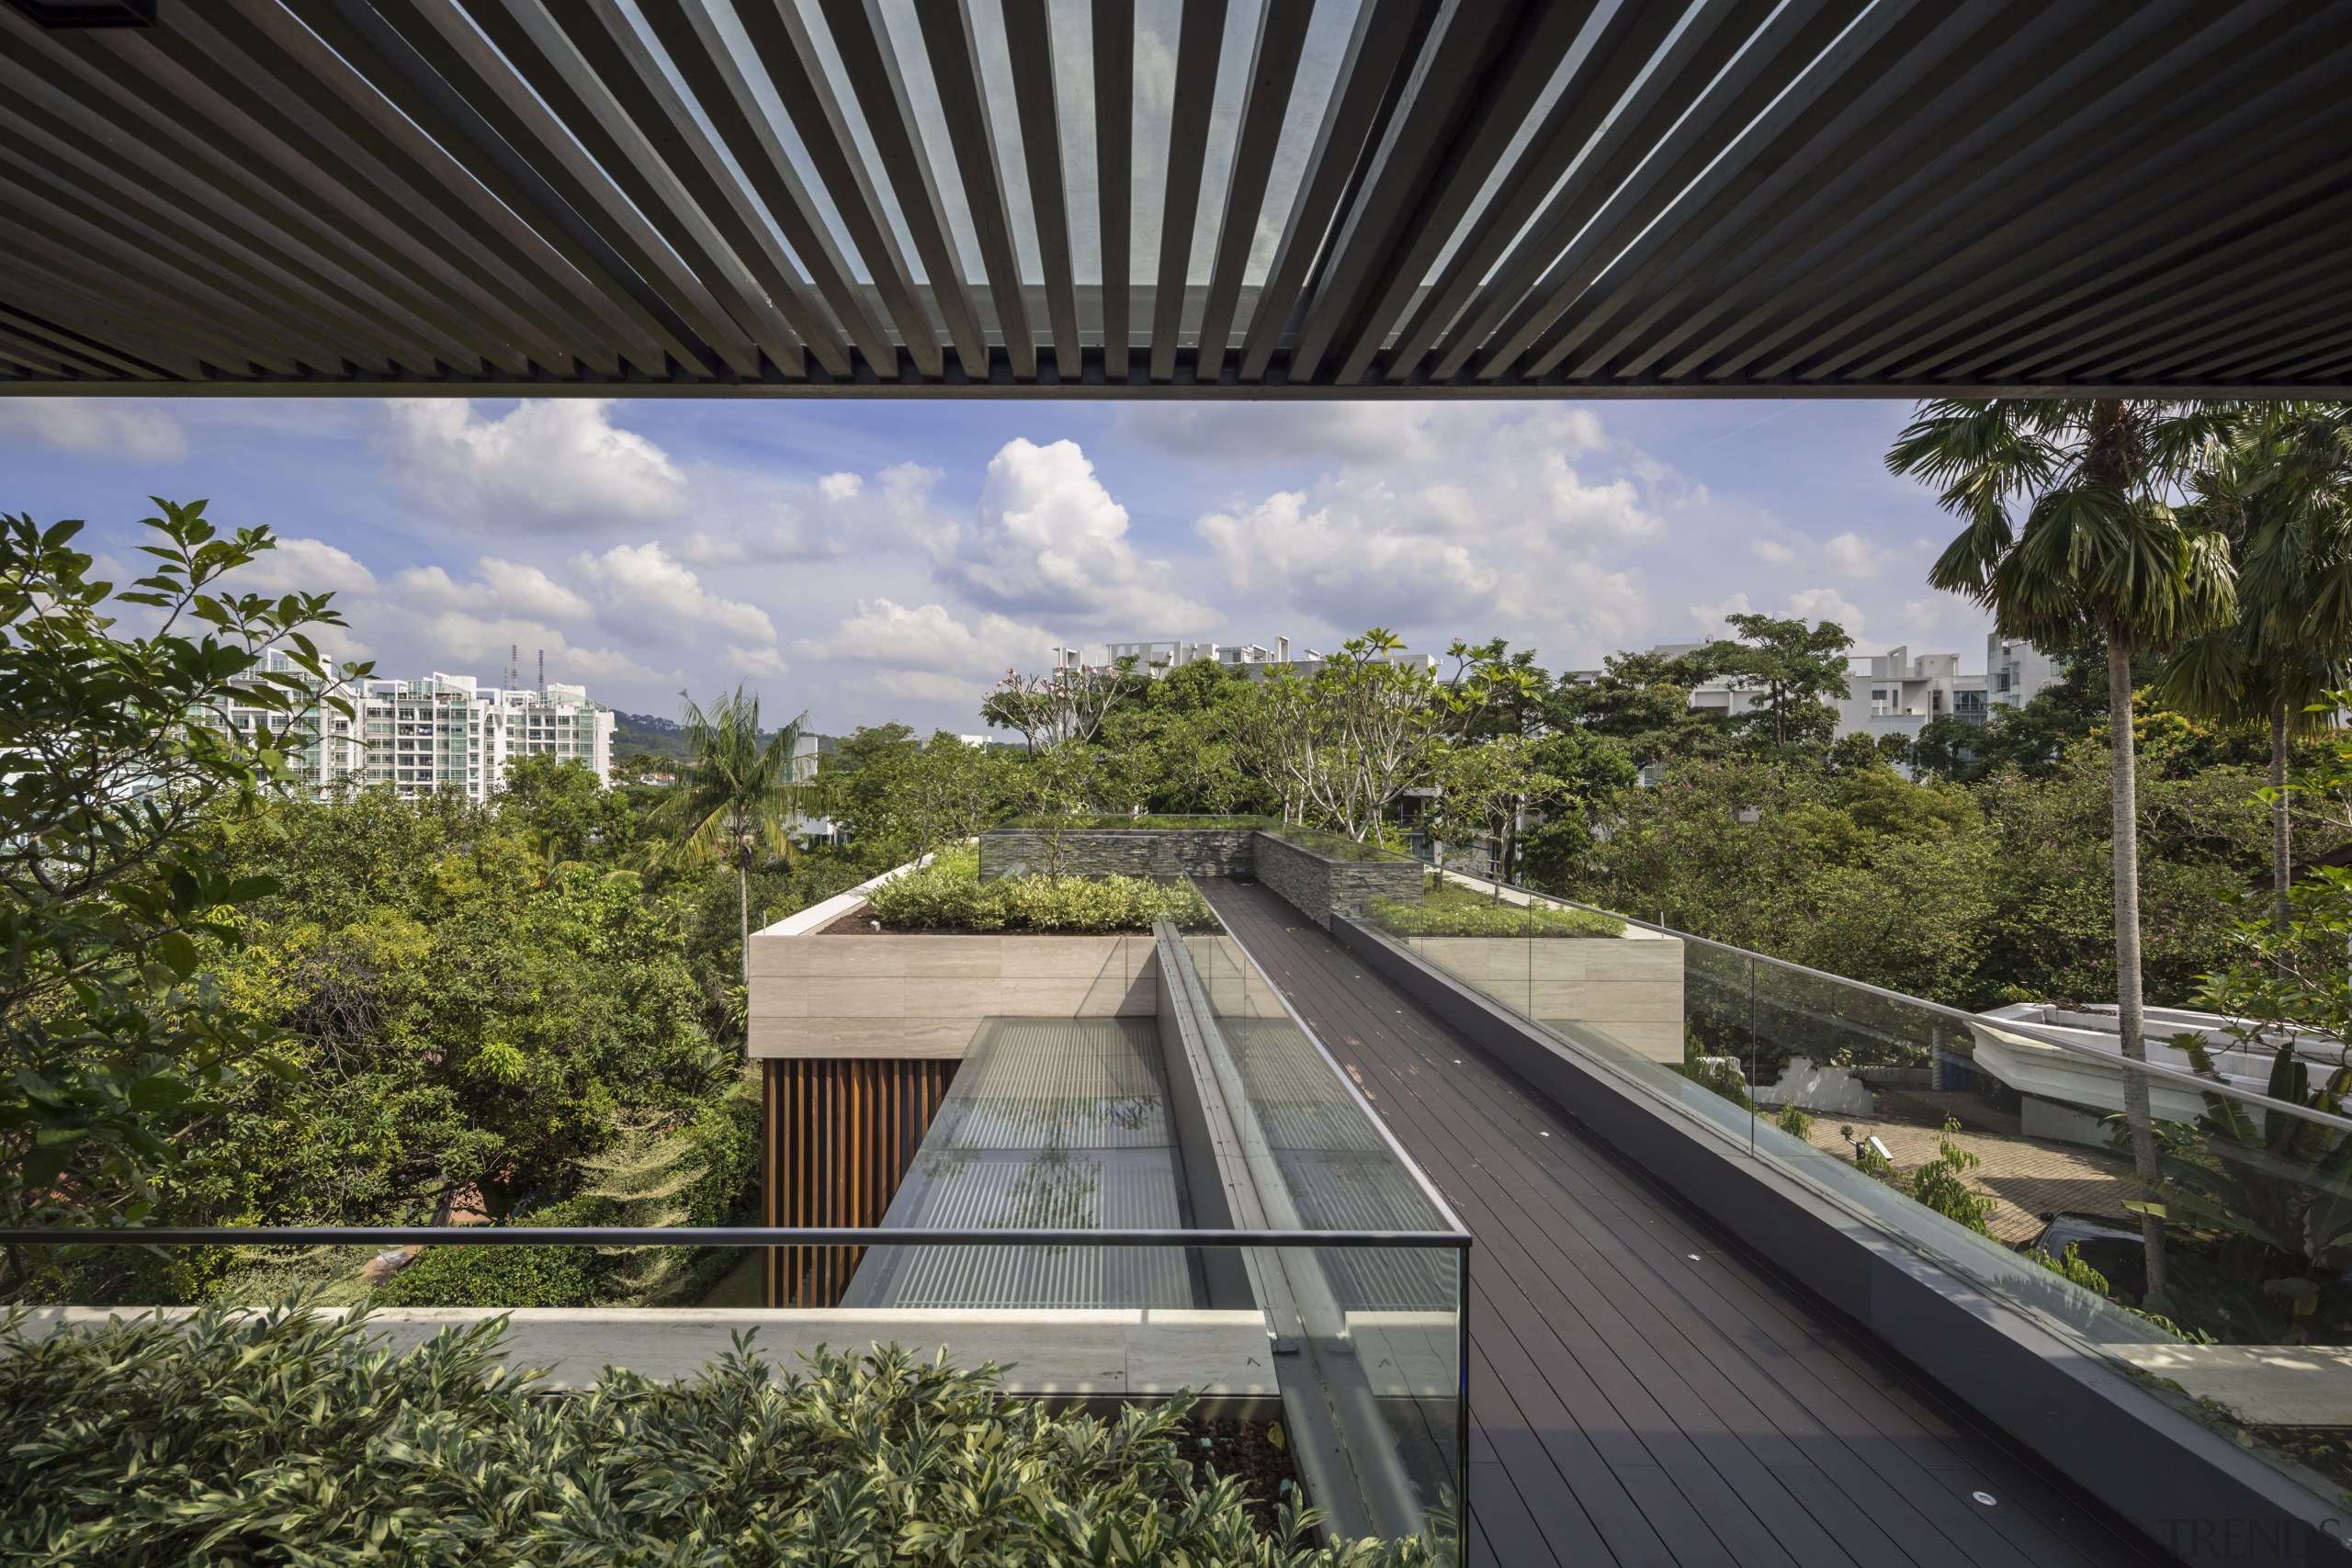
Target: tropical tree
[(116, 752), (736, 798), (2281, 493), (1342, 744), (2103, 546), (1799, 670)]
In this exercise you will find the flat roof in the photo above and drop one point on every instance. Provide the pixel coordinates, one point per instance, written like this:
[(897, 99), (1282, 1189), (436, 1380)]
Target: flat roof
[(1175, 198)]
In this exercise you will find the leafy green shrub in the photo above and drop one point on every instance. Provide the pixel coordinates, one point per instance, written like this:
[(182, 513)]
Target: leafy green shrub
[(459, 1275), (1452, 913), (948, 894), (1793, 1122), (1942, 1184), (1719, 1074), (2072, 1267), (1109, 823), (285, 1438)]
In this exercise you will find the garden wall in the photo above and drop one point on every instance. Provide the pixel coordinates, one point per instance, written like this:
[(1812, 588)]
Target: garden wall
[(1317, 885), (1161, 852)]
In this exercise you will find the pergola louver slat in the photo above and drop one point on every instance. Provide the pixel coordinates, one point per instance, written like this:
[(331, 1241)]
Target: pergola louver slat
[(1035, 98), (788, 53), (1516, 197), (1114, 109), (864, 42), (955, 69), (1200, 40), (1273, 74)]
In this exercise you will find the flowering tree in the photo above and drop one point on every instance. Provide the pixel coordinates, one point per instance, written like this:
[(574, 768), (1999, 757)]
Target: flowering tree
[(1342, 744)]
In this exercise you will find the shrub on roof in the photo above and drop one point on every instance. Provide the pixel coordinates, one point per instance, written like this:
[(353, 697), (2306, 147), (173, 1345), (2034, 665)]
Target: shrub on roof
[(286, 1438), (1475, 917), (948, 894)]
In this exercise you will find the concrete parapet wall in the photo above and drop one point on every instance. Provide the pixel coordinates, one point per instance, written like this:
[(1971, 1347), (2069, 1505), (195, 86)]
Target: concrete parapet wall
[(919, 995), (1154, 852)]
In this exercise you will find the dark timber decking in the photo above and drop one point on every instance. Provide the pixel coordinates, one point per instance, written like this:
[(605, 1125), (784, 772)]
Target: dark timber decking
[(1640, 1390)]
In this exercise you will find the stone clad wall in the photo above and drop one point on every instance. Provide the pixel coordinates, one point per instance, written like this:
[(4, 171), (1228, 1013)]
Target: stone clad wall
[(1168, 853), (1315, 886)]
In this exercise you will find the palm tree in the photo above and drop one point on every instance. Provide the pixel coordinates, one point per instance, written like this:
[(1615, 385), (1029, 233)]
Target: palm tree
[(2281, 493), (735, 798), (2101, 549)]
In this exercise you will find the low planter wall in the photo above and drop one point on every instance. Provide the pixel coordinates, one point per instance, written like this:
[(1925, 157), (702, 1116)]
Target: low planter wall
[(1154, 852), (917, 995), (1317, 885), (1082, 1353)]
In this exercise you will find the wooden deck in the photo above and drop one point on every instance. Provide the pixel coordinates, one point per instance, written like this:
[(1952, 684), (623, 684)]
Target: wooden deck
[(1641, 1391)]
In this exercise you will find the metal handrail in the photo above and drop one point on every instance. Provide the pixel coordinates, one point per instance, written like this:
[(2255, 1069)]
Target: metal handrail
[(2024, 1030), (698, 1235)]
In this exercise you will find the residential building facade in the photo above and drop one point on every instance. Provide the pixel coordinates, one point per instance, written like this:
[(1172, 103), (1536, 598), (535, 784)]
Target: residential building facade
[(1900, 692), (443, 733), (448, 732)]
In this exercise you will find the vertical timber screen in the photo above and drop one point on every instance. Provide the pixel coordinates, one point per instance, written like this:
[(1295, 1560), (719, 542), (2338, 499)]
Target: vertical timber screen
[(839, 1133)]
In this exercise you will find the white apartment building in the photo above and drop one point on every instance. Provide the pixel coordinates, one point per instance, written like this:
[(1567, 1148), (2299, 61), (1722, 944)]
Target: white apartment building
[(333, 751), (445, 732)]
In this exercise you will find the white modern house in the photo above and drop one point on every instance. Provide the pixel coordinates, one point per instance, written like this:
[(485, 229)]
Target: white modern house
[(1899, 693), (1157, 659)]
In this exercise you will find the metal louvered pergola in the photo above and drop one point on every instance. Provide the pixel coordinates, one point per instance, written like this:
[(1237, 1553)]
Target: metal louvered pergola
[(1176, 197)]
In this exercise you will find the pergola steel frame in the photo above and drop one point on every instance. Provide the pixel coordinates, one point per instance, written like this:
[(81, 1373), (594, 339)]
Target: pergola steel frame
[(1404, 198)]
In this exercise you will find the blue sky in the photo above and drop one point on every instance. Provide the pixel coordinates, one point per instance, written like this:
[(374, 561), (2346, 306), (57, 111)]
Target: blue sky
[(868, 560)]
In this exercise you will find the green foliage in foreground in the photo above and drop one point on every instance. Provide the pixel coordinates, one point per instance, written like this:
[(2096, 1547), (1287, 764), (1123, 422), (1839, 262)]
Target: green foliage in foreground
[(284, 1437), (948, 894), (1455, 912)]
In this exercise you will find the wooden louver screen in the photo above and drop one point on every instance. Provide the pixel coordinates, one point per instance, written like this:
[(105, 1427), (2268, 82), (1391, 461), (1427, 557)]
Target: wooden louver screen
[(839, 1133)]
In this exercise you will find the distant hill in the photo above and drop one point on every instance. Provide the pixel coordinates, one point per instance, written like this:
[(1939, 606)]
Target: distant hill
[(649, 733), (657, 737)]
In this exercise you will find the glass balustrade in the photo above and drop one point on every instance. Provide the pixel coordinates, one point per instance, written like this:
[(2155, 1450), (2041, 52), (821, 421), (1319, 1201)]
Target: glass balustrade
[(2188, 1218)]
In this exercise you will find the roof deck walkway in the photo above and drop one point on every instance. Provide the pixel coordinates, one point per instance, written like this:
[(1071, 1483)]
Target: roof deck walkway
[(1641, 1391)]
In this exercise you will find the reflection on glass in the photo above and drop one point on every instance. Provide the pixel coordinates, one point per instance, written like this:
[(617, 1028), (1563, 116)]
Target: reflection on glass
[(1998, 1145)]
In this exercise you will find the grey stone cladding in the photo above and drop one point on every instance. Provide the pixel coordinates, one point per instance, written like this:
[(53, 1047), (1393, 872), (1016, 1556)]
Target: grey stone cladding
[(1177, 851), (1316, 884)]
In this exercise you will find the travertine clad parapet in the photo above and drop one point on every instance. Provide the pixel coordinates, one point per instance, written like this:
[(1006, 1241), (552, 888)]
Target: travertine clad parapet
[(1628, 987), (921, 995)]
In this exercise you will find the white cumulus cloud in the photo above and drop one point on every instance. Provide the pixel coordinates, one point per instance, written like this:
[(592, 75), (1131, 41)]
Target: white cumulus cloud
[(924, 652), (505, 586), (661, 596), (1498, 530), (1052, 539), (559, 464), (98, 426), (1849, 555), (1827, 604)]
